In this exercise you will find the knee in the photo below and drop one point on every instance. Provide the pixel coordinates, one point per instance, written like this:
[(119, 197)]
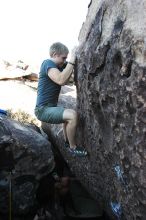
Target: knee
[(70, 115), (74, 116)]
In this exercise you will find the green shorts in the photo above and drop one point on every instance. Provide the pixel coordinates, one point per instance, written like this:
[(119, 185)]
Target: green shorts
[(52, 115)]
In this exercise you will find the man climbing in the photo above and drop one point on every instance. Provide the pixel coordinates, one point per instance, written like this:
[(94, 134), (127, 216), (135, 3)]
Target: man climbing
[(51, 77)]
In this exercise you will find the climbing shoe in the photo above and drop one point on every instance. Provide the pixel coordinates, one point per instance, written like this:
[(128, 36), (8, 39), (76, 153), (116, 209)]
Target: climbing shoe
[(66, 144), (78, 151)]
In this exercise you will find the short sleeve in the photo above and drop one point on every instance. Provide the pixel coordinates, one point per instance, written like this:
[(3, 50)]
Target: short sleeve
[(46, 65)]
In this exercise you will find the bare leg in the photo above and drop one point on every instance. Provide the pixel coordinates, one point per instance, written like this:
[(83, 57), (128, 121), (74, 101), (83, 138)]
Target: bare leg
[(70, 116), (64, 131)]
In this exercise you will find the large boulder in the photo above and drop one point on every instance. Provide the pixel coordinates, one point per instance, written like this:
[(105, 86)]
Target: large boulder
[(25, 157), (111, 92), (110, 79)]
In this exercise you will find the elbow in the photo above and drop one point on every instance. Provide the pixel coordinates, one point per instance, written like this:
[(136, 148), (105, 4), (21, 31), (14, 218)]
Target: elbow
[(61, 82)]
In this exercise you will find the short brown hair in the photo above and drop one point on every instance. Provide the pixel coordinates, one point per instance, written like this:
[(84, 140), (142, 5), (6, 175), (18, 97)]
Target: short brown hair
[(58, 48)]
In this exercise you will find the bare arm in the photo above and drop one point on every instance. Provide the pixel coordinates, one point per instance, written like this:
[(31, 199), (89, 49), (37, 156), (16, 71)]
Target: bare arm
[(61, 77)]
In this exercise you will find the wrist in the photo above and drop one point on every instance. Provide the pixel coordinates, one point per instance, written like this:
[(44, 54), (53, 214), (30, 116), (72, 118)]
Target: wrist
[(72, 63)]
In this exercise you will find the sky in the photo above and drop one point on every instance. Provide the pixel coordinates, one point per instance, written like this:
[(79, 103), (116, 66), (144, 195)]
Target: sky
[(29, 27)]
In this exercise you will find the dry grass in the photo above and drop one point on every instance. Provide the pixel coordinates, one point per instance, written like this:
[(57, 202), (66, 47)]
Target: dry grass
[(23, 117)]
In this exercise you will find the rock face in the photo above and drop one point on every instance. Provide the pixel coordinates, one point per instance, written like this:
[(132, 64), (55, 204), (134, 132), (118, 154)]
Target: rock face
[(111, 102), (28, 156)]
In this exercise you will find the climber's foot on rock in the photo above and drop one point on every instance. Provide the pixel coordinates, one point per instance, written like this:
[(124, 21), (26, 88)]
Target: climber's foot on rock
[(78, 151)]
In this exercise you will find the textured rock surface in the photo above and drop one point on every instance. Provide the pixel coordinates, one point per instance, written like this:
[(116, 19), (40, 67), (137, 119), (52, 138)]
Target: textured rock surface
[(111, 102), (111, 84), (26, 153)]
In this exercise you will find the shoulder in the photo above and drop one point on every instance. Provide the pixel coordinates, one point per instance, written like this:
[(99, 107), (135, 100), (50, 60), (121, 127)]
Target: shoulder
[(47, 64)]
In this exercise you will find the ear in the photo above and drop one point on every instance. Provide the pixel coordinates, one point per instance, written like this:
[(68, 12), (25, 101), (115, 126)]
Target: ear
[(54, 54)]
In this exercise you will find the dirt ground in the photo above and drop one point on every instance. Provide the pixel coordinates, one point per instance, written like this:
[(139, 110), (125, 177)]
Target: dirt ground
[(15, 95)]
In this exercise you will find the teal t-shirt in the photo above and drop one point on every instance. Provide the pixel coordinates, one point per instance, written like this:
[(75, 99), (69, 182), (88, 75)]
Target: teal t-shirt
[(48, 91)]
